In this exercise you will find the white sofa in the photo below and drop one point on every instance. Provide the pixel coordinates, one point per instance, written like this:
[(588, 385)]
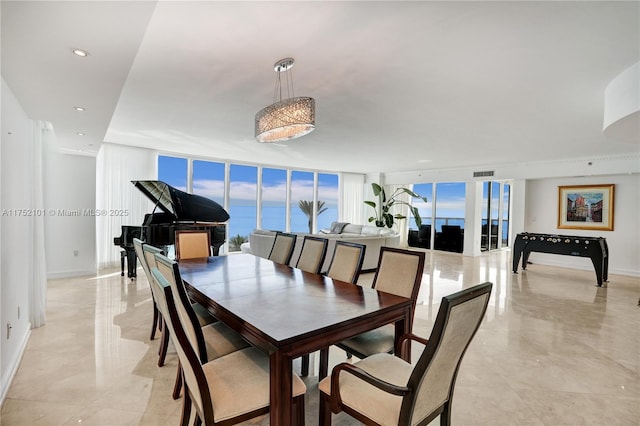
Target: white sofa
[(261, 241)]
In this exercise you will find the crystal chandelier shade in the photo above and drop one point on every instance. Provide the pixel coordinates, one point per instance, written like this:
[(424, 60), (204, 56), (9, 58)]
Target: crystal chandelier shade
[(285, 119)]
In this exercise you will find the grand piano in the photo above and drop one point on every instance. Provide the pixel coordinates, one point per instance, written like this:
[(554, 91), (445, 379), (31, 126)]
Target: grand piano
[(174, 210)]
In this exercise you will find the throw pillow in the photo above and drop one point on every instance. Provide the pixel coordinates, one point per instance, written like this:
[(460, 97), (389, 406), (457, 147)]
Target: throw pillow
[(337, 227)]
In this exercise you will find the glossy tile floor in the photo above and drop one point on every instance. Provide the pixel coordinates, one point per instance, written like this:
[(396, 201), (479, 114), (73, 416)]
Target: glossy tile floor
[(554, 349)]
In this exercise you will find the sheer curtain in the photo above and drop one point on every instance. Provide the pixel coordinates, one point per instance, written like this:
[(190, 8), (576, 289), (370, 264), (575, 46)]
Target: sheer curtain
[(352, 198), (41, 134), (116, 167)]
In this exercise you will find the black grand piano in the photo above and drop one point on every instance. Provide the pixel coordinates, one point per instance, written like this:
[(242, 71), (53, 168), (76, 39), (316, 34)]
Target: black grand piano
[(178, 211)]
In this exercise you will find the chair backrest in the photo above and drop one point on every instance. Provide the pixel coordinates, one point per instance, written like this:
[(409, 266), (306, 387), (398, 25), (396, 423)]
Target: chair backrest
[(282, 248), (192, 244), (137, 246), (399, 272), (169, 270), (150, 252), (434, 374), (193, 374), (148, 261), (314, 249), (346, 262)]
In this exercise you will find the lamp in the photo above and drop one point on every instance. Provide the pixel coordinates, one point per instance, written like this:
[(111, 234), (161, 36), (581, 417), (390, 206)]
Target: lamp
[(289, 118)]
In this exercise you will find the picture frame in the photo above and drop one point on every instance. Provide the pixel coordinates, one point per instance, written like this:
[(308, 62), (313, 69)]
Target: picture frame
[(586, 207)]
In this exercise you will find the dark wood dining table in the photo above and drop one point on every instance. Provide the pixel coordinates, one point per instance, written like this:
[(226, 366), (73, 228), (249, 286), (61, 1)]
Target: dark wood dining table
[(288, 313)]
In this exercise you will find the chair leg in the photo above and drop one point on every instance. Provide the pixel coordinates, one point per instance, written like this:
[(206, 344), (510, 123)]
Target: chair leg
[(298, 406), (177, 387), (186, 410), (349, 355), (154, 325), (164, 344), (324, 418), (304, 369), (445, 416), (324, 363)]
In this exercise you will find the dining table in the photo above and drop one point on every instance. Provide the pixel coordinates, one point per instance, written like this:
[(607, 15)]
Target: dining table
[(288, 313)]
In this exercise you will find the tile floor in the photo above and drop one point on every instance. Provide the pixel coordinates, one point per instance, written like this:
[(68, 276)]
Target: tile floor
[(554, 349)]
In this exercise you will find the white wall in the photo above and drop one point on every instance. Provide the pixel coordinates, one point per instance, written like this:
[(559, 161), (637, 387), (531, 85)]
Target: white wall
[(16, 244), (535, 198), (541, 216), (70, 187)]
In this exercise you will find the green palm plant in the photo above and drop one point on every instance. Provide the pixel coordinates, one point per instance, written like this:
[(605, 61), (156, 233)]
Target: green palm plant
[(307, 209), (236, 242), (382, 216)]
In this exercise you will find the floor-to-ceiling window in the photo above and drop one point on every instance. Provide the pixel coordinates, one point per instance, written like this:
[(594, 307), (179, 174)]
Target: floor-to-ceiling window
[(422, 237), (274, 199), (450, 216), (302, 188), (208, 180), (328, 198), (173, 171), (506, 212), (495, 215), (235, 187), (243, 204)]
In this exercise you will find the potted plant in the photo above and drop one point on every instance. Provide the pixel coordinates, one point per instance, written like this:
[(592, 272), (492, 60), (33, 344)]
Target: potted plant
[(382, 216)]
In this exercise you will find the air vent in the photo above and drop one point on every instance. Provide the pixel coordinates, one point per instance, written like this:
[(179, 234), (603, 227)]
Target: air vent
[(483, 174)]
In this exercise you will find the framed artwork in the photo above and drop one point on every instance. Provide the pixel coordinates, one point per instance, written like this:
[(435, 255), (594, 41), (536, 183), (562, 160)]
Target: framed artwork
[(586, 207)]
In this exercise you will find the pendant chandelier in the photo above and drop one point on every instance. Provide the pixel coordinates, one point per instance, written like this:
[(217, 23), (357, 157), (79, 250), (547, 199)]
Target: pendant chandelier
[(289, 118)]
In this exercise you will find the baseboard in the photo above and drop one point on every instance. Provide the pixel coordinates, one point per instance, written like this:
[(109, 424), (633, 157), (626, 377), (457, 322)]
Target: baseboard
[(13, 367), (584, 266), (70, 274)]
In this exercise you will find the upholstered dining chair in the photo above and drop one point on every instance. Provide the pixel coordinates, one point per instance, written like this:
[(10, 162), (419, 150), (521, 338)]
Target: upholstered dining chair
[(148, 259), (210, 341), (282, 248), (204, 317), (385, 390), (191, 244), (228, 389), (346, 262), (157, 316), (399, 272), (312, 254)]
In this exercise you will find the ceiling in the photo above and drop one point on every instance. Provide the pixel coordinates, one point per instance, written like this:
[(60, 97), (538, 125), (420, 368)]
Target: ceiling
[(399, 86)]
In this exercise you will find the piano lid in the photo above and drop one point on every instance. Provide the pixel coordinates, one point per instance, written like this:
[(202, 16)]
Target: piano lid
[(181, 205)]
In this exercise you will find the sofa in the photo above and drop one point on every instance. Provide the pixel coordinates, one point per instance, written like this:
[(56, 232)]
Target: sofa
[(261, 241)]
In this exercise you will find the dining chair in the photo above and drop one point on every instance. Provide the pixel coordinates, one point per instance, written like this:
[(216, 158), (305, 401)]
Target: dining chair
[(204, 317), (192, 244), (312, 254), (226, 390), (346, 262), (282, 249), (157, 317), (212, 340), (382, 389), (148, 259), (399, 272)]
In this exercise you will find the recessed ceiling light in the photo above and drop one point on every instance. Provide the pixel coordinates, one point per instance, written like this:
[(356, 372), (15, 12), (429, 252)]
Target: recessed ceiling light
[(80, 134), (80, 52), (79, 109)]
